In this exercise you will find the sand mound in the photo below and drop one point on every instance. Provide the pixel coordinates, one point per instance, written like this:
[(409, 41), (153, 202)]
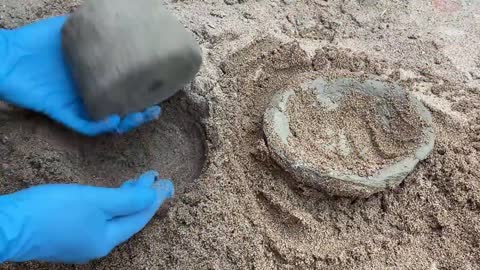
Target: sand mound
[(378, 131)]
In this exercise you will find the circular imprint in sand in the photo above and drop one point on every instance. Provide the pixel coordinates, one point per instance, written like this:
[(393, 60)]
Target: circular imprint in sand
[(37, 151), (348, 137)]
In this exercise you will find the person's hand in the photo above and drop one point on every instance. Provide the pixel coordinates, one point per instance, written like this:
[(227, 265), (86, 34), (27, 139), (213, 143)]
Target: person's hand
[(34, 76), (76, 224)]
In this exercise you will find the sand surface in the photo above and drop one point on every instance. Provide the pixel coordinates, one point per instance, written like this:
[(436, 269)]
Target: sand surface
[(353, 138), (236, 208)]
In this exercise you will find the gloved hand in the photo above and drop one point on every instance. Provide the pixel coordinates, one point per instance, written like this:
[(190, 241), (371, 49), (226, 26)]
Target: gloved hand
[(34, 76), (76, 224)]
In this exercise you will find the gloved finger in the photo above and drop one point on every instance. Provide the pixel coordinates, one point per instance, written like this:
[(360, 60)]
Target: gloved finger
[(145, 180), (86, 127), (118, 202), (135, 120), (40, 33), (131, 121), (164, 187), (121, 229), (152, 113)]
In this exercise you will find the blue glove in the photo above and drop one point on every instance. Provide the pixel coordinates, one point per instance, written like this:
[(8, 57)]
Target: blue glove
[(76, 224), (34, 76)]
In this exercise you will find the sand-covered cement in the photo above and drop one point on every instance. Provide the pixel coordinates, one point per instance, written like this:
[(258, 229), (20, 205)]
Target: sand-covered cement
[(348, 137)]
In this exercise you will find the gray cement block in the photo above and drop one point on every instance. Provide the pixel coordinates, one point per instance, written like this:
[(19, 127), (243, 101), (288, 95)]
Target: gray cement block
[(127, 55)]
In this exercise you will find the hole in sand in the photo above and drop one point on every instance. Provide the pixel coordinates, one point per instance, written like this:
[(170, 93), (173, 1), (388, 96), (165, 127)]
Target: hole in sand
[(33, 151)]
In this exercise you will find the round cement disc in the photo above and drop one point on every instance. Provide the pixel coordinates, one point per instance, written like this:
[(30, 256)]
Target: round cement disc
[(330, 97)]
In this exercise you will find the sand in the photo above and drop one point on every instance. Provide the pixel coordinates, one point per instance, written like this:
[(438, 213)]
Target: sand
[(353, 139), (242, 211)]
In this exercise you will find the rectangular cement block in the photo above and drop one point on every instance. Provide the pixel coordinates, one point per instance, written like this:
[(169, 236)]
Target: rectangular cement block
[(128, 55)]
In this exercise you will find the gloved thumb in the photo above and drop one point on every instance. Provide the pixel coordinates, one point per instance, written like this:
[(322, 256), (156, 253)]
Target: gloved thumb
[(120, 229), (120, 202)]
